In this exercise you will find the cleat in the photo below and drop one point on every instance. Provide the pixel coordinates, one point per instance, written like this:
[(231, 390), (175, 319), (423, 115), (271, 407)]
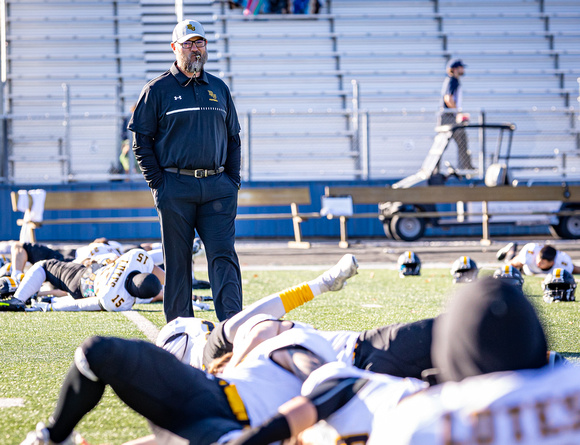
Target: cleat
[(41, 436), (200, 306), (200, 284), (37, 305), (507, 252), (12, 305), (334, 279)]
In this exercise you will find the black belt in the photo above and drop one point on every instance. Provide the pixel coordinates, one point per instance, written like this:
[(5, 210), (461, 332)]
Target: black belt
[(198, 173)]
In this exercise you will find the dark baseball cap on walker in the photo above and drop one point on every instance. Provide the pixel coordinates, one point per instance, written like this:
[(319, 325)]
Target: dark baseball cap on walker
[(455, 63)]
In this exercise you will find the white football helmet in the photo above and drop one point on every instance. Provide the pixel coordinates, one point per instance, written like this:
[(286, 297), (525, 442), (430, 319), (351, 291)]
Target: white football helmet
[(464, 270), (9, 285), (510, 274), (409, 264), (559, 285), (185, 338)]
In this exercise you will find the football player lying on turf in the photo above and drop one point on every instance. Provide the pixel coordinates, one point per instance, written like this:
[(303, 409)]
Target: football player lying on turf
[(68, 413), (401, 349), (23, 253), (492, 342), (198, 342), (115, 286), (537, 259), (191, 404)]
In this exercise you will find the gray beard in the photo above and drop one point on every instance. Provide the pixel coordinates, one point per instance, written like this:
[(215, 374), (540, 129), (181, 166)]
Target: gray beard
[(192, 64)]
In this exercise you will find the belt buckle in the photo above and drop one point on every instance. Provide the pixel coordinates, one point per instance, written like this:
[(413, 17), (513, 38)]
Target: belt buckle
[(200, 173)]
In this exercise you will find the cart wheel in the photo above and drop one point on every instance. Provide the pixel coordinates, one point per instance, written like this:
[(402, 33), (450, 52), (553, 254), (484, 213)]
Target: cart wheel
[(569, 227), (407, 228)]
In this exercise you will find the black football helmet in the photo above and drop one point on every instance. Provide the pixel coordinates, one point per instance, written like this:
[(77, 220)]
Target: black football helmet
[(559, 285), (510, 274), (409, 264), (464, 270)]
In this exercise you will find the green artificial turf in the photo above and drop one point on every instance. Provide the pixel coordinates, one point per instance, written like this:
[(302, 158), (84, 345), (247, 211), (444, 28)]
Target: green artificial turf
[(36, 349)]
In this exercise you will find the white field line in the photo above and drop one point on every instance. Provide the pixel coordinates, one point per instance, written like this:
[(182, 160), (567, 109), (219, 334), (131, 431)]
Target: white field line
[(144, 325), (10, 403)]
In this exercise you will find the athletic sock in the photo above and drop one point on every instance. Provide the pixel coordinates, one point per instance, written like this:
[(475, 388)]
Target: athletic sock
[(298, 295), (31, 283)]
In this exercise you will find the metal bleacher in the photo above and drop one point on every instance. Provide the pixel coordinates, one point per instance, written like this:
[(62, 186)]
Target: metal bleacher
[(357, 84), (66, 82), (520, 57)]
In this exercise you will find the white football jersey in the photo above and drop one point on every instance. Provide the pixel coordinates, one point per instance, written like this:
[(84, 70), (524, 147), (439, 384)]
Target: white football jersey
[(353, 422), (264, 385), (245, 329), (527, 256), (185, 337), (343, 342), (539, 407), (108, 283), (94, 249)]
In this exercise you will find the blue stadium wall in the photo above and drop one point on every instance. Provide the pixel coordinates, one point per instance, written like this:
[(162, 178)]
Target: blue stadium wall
[(314, 228)]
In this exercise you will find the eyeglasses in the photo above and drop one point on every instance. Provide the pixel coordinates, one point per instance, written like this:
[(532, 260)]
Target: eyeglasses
[(188, 44)]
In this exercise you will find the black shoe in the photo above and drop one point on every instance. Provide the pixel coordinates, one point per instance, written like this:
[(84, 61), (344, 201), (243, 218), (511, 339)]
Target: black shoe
[(200, 284), (12, 305), (199, 298), (507, 252)]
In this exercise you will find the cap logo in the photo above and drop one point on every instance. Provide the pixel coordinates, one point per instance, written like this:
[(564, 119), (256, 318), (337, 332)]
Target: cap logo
[(191, 27)]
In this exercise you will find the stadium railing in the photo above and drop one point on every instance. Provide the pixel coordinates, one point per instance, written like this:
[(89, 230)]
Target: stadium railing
[(78, 201), (443, 194)]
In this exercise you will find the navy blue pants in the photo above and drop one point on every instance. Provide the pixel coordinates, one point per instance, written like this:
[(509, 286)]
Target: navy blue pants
[(186, 204)]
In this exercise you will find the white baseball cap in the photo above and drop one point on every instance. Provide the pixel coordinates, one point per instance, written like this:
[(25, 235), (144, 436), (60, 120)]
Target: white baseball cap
[(187, 29)]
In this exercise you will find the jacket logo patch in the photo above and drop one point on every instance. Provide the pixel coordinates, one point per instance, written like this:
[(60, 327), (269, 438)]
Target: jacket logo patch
[(212, 96), (177, 97)]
